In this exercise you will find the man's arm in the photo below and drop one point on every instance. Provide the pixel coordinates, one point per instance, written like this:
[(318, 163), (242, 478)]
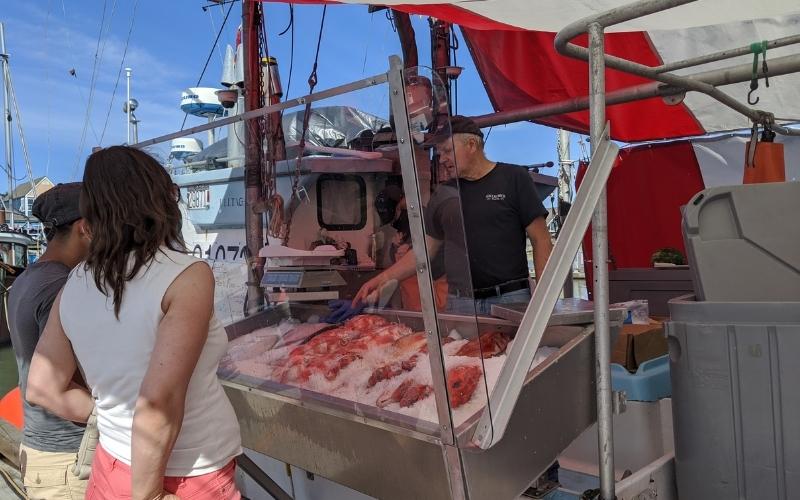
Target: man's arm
[(399, 271), (50, 378), (542, 244)]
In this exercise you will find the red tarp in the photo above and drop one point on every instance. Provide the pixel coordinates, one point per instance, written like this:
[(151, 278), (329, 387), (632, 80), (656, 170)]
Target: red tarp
[(520, 68), (646, 189)]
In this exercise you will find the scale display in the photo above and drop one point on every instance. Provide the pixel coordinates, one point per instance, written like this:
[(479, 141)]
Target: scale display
[(282, 278), (302, 278)]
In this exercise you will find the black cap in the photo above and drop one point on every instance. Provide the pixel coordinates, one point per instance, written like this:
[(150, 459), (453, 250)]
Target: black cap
[(459, 124), (462, 125), (59, 205)]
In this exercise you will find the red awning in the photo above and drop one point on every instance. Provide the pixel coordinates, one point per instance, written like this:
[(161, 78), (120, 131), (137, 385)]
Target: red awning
[(511, 42)]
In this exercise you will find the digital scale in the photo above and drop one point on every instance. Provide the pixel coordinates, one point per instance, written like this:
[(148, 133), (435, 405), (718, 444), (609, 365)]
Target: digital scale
[(300, 274), (301, 278)]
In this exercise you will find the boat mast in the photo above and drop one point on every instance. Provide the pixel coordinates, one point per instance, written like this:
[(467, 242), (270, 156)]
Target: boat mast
[(7, 124), (128, 103), (440, 54)]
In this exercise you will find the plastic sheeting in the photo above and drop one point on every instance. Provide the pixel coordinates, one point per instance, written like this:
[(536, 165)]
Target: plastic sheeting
[(328, 126)]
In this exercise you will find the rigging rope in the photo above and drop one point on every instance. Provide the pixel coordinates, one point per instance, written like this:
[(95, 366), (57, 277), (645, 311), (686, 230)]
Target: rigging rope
[(23, 142), (312, 82), (454, 46), (291, 52), (119, 72), (210, 54), (47, 82), (72, 71), (98, 56)]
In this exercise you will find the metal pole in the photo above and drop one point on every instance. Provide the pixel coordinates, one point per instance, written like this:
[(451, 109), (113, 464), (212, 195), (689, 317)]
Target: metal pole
[(597, 116), (7, 125), (718, 77), (440, 52), (128, 103), (252, 152), (408, 41), (408, 169), (261, 478), (564, 196), (258, 113), (632, 11), (135, 128)]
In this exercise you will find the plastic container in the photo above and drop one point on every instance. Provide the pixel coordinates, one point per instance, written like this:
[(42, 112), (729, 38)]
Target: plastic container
[(735, 371), (649, 383), (743, 242)]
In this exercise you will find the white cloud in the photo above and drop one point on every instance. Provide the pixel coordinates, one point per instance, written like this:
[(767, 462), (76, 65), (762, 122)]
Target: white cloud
[(44, 48)]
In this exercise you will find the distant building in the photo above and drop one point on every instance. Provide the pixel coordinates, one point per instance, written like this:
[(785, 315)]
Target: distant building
[(21, 203)]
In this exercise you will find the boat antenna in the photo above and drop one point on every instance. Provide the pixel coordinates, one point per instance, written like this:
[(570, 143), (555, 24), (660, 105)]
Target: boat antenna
[(210, 53)]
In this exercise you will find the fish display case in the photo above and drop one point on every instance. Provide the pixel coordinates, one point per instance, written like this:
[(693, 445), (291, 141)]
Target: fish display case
[(389, 451), (398, 401)]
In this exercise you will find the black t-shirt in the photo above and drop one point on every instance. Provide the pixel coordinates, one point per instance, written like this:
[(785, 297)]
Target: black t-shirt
[(496, 210)]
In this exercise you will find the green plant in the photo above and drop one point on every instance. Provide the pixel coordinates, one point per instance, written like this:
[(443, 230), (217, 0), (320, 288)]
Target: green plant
[(668, 255)]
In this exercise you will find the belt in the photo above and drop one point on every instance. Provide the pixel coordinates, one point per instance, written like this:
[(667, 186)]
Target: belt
[(498, 290)]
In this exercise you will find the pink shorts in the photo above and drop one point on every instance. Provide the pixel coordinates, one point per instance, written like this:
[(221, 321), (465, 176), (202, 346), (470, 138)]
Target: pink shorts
[(111, 480)]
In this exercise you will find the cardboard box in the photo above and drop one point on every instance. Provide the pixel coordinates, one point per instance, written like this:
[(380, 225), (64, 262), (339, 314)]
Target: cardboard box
[(639, 343)]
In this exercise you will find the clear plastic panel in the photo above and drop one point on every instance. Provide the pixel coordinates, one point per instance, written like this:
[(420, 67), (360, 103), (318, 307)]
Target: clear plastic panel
[(329, 220), (337, 227), (471, 352)]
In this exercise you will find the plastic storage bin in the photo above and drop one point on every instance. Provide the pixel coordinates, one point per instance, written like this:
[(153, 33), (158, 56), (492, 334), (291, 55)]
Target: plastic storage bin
[(743, 242), (649, 383), (735, 370)]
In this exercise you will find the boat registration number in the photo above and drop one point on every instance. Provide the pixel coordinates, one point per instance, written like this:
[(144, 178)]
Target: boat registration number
[(198, 197)]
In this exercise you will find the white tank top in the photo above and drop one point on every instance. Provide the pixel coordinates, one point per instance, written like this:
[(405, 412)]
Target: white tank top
[(114, 356)]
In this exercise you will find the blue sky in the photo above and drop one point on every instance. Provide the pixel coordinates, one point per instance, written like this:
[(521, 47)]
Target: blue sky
[(169, 44)]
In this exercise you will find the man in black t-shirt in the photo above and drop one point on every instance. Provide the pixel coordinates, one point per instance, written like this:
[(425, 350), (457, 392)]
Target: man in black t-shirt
[(500, 208)]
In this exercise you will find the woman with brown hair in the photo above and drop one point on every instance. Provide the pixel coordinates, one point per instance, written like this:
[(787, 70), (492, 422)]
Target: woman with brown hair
[(137, 316)]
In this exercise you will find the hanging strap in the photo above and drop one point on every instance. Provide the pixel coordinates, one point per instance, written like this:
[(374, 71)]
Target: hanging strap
[(758, 48)]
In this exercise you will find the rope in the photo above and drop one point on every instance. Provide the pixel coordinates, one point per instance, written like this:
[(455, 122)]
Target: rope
[(72, 71), (210, 54), (275, 215), (291, 52), (214, 30), (312, 82), (23, 142), (454, 46), (98, 56), (119, 72), (47, 83)]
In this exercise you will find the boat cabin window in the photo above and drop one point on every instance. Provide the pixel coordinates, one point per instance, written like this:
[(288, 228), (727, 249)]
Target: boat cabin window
[(341, 202)]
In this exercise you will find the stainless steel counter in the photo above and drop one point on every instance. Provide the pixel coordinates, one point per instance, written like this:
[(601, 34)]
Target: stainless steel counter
[(388, 455)]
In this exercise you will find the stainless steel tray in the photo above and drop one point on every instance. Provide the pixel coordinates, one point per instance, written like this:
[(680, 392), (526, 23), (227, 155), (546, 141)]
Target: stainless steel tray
[(387, 455)]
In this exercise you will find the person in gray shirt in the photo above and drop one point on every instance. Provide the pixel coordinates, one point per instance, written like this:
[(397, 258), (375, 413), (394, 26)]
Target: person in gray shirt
[(49, 444)]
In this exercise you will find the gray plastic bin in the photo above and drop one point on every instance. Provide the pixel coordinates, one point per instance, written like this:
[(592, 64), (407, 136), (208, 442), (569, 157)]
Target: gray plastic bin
[(735, 370), (743, 242)]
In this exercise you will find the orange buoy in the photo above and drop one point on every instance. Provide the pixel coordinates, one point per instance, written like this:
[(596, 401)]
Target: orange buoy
[(11, 408)]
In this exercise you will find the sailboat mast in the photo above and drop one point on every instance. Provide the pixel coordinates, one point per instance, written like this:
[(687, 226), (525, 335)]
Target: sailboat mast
[(7, 123)]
